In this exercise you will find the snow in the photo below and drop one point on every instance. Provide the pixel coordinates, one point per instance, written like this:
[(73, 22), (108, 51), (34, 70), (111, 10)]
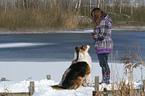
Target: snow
[(80, 31), (14, 86), (21, 73), (18, 71), (43, 88), (24, 44), (48, 91)]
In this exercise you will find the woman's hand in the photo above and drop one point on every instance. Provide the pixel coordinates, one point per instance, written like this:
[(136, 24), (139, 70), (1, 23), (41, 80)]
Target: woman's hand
[(92, 33)]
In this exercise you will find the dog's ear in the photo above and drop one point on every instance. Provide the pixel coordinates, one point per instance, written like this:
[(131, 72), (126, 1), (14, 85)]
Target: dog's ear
[(75, 48), (88, 47)]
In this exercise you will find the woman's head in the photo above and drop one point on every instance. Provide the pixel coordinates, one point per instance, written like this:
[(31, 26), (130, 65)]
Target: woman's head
[(97, 15), (95, 11)]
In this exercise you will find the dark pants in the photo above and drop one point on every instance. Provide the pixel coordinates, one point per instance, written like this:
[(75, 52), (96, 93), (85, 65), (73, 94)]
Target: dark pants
[(103, 61)]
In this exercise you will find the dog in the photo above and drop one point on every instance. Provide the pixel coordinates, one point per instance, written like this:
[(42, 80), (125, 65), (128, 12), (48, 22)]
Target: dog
[(83, 55), (79, 69)]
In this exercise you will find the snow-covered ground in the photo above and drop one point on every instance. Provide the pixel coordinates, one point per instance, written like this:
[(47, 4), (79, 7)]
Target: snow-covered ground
[(21, 73), (42, 88)]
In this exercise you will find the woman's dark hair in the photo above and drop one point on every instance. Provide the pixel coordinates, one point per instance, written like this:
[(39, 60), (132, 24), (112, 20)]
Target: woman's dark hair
[(103, 13), (97, 15)]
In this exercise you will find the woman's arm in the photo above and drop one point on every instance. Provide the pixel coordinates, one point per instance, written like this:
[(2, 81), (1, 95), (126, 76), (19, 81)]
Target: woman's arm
[(104, 26)]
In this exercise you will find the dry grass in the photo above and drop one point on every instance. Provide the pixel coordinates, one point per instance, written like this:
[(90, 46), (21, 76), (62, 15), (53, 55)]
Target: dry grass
[(131, 59), (55, 16), (59, 14)]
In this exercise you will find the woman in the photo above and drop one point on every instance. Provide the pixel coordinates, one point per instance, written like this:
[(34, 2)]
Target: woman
[(102, 41)]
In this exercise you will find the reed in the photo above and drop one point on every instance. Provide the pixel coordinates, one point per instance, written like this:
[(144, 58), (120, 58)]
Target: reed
[(131, 60), (36, 14)]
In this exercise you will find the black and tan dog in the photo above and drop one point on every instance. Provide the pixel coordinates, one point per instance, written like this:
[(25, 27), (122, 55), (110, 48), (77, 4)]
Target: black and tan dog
[(78, 70)]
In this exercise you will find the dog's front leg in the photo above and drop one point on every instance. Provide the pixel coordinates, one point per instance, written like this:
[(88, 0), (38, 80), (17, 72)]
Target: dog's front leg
[(85, 82), (89, 78)]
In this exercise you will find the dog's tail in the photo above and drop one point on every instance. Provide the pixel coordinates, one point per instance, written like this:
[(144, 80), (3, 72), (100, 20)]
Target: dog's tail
[(57, 87)]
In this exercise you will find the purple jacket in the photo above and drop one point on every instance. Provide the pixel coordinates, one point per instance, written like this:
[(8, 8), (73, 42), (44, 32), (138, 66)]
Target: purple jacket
[(102, 36)]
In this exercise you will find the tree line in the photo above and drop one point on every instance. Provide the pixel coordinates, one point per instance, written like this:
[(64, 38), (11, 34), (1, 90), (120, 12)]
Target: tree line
[(67, 14)]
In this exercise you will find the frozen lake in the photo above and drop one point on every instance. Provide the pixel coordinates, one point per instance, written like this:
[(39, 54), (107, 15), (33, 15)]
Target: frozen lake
[(60, 46)]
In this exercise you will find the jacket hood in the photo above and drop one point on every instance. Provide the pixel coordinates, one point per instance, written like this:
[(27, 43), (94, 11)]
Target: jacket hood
[(107, 18)]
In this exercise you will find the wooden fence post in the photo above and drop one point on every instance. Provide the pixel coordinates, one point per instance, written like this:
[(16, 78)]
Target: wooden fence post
[(144, 86), (3, 79), (48, 77), (96, 92), (32, 88)]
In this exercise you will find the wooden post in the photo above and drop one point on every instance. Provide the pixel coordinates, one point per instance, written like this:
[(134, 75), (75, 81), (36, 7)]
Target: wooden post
[(32, 88), (144, 86), (96, 92), (105, 92), (48, 77), (3, 79), (97, 83)]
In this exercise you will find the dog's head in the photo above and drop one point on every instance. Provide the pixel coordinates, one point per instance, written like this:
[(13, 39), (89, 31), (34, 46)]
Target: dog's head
[(79, 51), (82, 48)]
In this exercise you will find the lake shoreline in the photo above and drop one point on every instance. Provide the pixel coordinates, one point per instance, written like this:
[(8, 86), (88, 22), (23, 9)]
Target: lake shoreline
[(41, 31)]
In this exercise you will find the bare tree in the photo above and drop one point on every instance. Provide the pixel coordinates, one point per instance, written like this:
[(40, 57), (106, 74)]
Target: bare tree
[(90, 5), (131, 7), (77, 6), (5, 6), (24, 4), (98, 3), (120, 6)]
